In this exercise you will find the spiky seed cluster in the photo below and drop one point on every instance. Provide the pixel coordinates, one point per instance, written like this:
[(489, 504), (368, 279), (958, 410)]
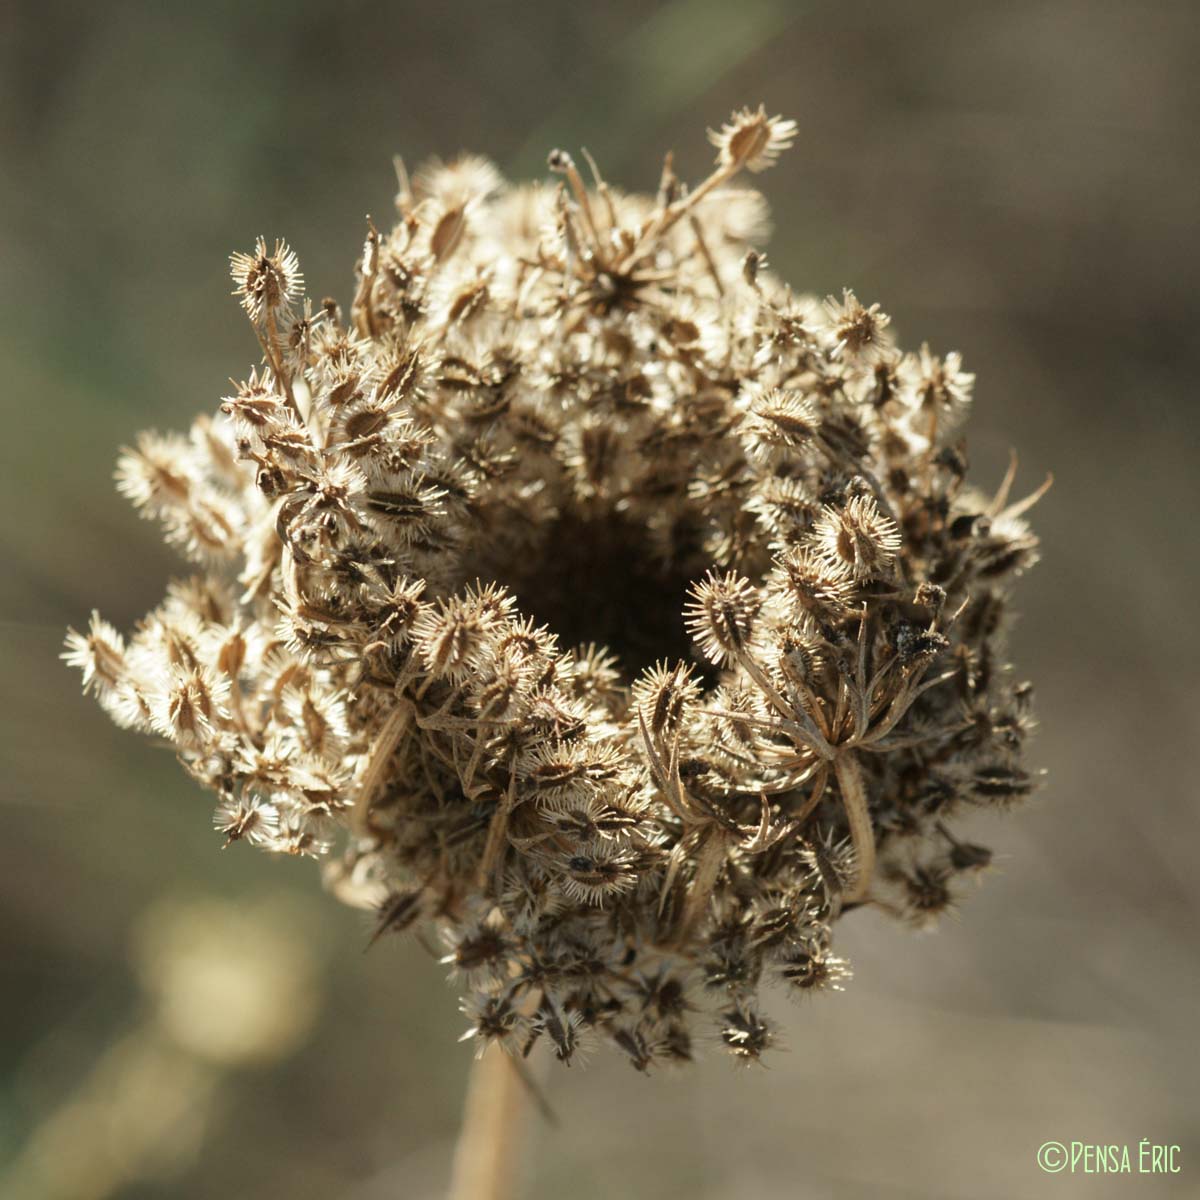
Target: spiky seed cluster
[(571, 403)]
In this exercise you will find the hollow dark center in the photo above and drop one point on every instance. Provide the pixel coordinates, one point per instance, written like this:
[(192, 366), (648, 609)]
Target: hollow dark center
[(595, 579)]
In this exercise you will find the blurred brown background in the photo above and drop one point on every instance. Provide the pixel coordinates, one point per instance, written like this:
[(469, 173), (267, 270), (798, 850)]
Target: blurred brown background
[(1017, 181)]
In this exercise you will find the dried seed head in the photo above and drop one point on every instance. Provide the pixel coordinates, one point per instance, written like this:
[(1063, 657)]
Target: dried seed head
[(817, 584), (494, 1019), (561, 1028), (246, 818), (663, 694), (779, 420), (752, 140), (266, 284), (859, 333), (99, 654), (813, 969), (857, 541), (935, 385), (623, 620), (596, 873), (451, 638), (720, 616), (746, 1034)]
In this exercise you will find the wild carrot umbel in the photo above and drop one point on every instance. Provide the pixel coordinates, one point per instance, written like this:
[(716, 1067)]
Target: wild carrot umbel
[(585, 592)]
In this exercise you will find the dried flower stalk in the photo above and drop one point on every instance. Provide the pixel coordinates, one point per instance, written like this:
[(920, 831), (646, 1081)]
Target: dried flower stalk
[(488, 1149), (589, 594)]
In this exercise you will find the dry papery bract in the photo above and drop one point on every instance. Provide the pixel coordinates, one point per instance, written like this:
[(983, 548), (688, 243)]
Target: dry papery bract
[(589, 595)]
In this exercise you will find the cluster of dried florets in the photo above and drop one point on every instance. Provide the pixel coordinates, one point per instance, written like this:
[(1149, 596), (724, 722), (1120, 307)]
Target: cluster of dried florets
[(770, 670)]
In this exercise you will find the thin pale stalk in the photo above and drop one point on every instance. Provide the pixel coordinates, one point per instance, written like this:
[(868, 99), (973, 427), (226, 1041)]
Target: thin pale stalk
[(854, 798), (376, 764), (708, 869), (497, 837), (487, 1154)]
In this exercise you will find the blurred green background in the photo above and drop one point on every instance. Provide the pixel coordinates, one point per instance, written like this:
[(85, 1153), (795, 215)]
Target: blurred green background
[(1017, 181)]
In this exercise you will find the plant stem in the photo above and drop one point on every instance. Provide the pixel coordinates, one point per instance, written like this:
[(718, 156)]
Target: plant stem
[(709, 862), (380, 755), (488, 1149), (854, 799)]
